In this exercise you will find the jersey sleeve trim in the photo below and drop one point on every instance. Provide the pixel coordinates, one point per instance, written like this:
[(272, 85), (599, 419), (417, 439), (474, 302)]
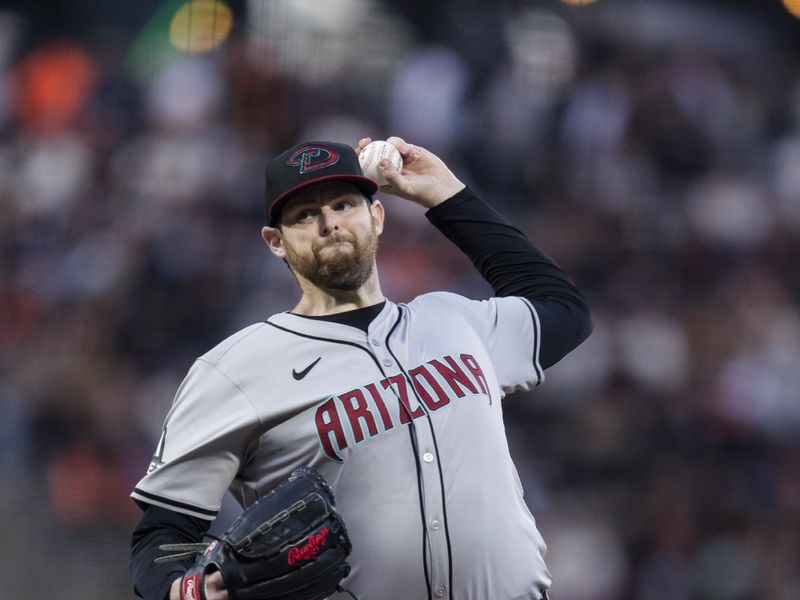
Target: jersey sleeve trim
[(537, 340), (182, 507)]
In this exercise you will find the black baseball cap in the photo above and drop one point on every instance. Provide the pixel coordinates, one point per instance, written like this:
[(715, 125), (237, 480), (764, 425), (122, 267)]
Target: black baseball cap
[(308, 163)]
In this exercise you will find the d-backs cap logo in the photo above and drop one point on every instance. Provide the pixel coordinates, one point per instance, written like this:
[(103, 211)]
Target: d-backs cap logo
[(311, 158)]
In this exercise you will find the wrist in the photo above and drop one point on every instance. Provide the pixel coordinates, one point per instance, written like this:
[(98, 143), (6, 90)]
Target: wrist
[(189, 587), (175, 589), (444, 193)]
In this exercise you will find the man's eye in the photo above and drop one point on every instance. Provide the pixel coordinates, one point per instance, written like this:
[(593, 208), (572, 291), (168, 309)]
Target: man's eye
[(344, 204)]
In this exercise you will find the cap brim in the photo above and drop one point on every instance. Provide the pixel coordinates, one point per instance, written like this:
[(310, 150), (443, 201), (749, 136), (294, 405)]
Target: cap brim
[(365, 184)]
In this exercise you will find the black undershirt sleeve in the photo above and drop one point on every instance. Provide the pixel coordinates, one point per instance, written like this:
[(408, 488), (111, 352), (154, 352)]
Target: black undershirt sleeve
[(158, 526), (513, 266)]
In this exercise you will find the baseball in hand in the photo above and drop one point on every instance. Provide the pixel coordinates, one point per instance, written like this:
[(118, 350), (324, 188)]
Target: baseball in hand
[(372, 153)]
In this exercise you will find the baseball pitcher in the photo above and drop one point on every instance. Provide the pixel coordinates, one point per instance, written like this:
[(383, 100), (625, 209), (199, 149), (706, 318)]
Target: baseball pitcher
[(396, 407)]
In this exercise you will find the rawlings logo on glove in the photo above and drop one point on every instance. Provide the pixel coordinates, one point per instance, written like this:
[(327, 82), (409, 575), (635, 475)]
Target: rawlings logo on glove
[(311, 549)]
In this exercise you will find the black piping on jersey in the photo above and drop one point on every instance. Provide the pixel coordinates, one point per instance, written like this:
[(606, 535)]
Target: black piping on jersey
[(159, 455), (438, 459), (412, 431), (536, 339), (175, 503)]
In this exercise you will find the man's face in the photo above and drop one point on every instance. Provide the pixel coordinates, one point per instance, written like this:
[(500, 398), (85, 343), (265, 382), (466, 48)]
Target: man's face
[(329, 235)]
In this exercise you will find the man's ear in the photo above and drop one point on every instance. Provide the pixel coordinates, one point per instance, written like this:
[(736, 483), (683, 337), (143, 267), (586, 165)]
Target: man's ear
[(377, 213), (273, 237)]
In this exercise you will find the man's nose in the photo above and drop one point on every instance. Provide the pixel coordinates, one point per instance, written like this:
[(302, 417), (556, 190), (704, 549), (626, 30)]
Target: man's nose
[(328, 221)]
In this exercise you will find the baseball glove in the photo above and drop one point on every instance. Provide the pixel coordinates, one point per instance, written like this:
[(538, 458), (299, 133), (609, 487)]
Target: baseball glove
[(289, 545)]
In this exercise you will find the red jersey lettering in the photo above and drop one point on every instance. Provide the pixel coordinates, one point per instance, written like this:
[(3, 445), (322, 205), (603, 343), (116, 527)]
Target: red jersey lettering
[(406, 414), (380, 405), (432, 404), (356, 407), (476, 371), (454, 376), (327, 420)]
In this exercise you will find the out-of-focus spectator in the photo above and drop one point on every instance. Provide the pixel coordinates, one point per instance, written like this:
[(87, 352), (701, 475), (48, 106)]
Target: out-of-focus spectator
[(52, 85)]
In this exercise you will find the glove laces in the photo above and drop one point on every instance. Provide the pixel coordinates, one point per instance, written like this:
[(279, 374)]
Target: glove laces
[(184, 550)]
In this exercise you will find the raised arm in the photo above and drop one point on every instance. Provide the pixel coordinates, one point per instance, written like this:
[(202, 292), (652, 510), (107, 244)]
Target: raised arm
[(509, 262)]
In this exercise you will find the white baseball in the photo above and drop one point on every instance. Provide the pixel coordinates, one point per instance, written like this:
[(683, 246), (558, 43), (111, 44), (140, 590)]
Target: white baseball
[(372, 154)]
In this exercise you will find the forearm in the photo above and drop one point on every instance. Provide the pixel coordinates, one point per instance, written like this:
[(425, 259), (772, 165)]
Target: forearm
[(513, 266), (156, 581)]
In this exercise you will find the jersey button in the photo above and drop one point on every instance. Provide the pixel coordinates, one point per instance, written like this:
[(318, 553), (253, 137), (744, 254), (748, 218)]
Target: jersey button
[(436, 524), (440, 592), (387, 362), (427, 457)]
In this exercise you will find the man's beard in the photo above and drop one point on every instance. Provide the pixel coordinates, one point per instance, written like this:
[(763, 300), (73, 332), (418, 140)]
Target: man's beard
[(345, 271)]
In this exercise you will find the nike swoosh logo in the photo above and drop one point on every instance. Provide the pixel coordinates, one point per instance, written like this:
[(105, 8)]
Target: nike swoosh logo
[(304, 372)]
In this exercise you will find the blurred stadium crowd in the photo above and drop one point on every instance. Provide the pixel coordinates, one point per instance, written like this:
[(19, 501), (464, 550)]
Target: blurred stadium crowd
[(654, 153)]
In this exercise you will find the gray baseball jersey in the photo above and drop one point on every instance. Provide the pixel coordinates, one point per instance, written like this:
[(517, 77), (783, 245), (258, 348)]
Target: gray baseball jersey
[(404, 421)]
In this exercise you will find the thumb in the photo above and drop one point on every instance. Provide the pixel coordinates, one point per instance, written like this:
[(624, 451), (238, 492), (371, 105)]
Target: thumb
[(215, 587)]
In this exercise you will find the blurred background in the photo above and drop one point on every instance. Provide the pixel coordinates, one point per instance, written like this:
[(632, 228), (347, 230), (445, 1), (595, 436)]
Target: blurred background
[(651, 147)]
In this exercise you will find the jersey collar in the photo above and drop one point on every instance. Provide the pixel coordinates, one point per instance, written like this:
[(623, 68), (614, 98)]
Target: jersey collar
[(337, 331)]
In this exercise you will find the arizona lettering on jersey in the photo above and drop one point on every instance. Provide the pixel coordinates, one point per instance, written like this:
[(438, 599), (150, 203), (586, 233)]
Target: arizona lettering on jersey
[(361, 413)]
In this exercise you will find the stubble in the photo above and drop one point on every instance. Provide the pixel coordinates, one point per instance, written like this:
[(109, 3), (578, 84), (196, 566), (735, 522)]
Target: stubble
[(343, 268)]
